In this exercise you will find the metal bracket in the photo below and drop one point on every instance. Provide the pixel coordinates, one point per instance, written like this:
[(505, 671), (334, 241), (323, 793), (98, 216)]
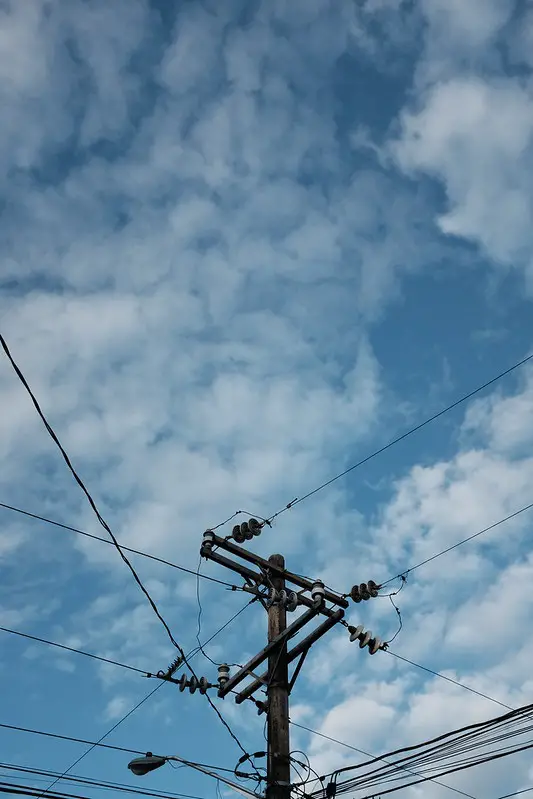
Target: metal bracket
[(252, 664), (297, 670), (298, 650)]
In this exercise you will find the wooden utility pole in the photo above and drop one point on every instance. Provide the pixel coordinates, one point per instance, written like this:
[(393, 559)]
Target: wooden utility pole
[(278, 764), (272, 585)]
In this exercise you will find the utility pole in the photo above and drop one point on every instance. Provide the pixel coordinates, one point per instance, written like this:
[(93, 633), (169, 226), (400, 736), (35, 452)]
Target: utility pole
[(278, 763), (273, 586)]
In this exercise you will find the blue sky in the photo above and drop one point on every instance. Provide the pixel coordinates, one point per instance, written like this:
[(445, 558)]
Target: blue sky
[(244, 244)]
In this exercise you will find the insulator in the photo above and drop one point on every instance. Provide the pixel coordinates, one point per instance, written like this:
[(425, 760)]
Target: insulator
[(183, 682), (292, 602), (373, 588), (363, 590), (255, 526), (355, 594), (246, 532), (365, 639), (272, 597), (238, 535), (193, 684), (375, 645), (318, 592), (223, 674), (281, 598), (203, 685), (355, 632), (208, 538)]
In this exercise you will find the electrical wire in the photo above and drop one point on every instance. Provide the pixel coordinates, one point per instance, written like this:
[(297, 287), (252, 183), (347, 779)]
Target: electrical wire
[(146, 673), (189, 656), (98, 742), (464, 739), (367, 754), (18, 790), (107, 528), (449, 679), (123, 547), (406, 572), (199, 618), (201, 646), (396, 440), (102, 784), (398, 613), (74, 650)]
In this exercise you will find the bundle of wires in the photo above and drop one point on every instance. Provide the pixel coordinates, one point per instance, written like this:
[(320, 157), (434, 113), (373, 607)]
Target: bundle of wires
[(454, 751)]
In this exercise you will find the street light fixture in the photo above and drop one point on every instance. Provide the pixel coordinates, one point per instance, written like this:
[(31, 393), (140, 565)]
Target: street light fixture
[(143, 765)]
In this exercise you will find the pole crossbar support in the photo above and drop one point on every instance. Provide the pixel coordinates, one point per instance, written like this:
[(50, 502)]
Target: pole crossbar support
[(299, 649), (280, 572), (256, 661)]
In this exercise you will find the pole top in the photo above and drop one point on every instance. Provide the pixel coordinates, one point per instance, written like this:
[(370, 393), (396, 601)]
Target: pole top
[(277, 560)]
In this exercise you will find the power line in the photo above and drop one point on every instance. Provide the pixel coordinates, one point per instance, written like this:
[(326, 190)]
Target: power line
[(103, 784), (118, 723), (46, 734), (98, 745), (18, 790), (144, 672), (367, 754), (449, 679), (190, 655), (28, 790), (439, 749), (107, 528), (122, 546), (396, 440), (460, 543), (73, 649)]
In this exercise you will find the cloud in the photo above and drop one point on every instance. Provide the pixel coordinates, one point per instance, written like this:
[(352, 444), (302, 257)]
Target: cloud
[(469, 126), (206, 282)]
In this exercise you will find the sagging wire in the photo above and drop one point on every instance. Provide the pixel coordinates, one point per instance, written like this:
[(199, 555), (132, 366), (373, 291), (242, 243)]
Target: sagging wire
[(398, 613), (241, 775), (200, 647)]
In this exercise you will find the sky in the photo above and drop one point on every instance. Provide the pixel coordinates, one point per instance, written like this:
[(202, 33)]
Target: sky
[(243, 245)]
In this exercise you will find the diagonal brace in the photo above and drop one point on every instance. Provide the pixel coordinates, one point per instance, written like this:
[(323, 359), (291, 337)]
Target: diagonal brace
[(252, 664)]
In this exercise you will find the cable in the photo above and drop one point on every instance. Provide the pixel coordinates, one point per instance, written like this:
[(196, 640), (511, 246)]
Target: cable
[(189, 656), (18, 790), (123, 547), (98, 745), (459, 543), (438, 745), (516, 793), (199, 619), (73, 649), (458, 768), (106, 527), (16, 728), (367, 754), (93, 746), (116, 662), (398, 613), (117, 786), (449, 679), (396, 440)]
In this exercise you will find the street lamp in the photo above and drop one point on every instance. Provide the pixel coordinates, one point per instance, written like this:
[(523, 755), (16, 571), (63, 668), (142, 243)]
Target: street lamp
[(143, 765)]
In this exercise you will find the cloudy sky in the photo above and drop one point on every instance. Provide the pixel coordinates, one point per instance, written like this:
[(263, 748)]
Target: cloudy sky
[(243, 245)]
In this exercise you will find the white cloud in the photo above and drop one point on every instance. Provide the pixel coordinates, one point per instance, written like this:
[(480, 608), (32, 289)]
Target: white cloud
[(116, 708), (193, 290)]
